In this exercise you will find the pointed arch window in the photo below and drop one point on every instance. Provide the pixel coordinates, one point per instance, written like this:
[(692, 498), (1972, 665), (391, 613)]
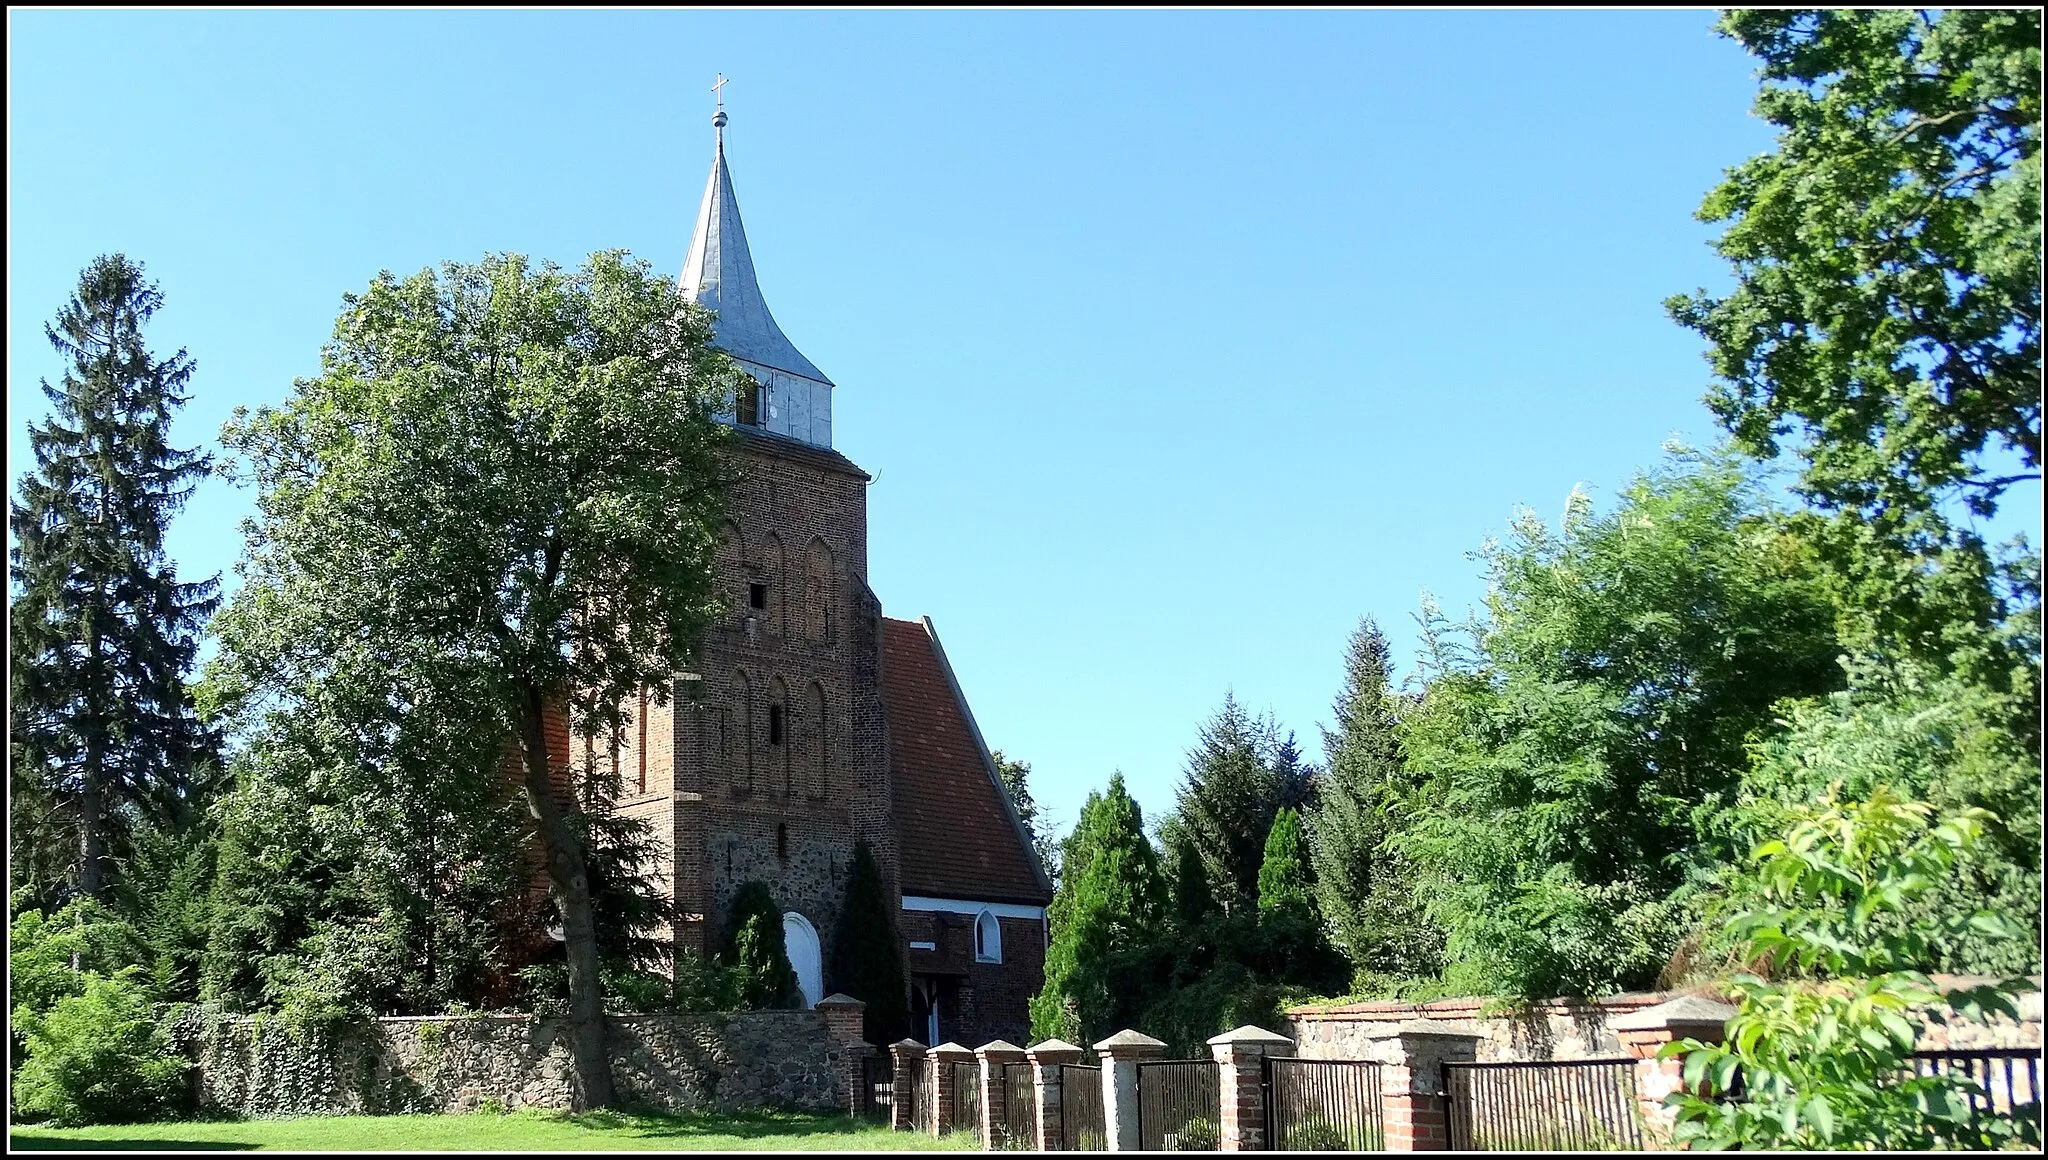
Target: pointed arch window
[(988, 938)]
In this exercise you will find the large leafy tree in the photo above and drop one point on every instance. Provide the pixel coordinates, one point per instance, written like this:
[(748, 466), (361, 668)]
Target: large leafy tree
[(101, 630), (1108, 919), (1016, 777), (1241, 773), (1885, 325), (1364, 885), (496, 502), (1603, 707)]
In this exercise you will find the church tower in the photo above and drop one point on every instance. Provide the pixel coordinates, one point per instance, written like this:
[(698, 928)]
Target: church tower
[(772, 763), (812, 722)]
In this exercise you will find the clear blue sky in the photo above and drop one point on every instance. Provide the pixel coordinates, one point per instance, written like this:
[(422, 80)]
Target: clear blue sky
[(1176, 342)]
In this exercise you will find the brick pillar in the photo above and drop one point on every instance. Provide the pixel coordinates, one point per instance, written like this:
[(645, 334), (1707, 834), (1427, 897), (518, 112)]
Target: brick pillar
[(908, 1058), (946, 1086), (1411, 1055), (843, 1020), (1241, 1080), (995, 1056), (1048, 1085), (1644, 1033), (1120, 1055)]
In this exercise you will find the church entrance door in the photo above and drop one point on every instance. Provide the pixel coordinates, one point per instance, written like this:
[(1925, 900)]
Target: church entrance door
[(800, 940)]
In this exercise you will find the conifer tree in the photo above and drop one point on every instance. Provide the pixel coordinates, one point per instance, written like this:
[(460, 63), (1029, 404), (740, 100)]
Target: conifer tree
[(1284, 874), (1107, 919), (1365, 889), (1239, 775), (101, 631), (754, 944), (1193, 902), (867, 955)]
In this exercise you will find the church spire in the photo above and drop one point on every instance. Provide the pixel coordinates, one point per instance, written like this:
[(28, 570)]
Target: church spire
[(718, 274)]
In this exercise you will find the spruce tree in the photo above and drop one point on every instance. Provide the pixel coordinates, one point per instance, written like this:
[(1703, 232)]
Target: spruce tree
[(1107, 919), (1365, 888), (867, 955), (101, 631), (1239, 775)]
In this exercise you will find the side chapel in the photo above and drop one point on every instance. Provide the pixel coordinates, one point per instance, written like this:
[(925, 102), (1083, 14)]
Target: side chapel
[(815, 721)]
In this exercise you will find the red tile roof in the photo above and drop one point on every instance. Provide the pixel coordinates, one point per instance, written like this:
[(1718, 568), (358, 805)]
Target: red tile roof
[(955, 836)]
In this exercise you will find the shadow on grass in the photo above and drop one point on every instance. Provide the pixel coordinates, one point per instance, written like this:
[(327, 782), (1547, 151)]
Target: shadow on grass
[(741, 1125), (31, 1141)]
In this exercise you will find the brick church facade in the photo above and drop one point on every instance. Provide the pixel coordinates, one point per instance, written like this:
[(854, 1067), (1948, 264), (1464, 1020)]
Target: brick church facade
[(815, 721)]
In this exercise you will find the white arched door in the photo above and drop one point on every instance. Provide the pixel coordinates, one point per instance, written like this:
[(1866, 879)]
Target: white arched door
[(800, 939)]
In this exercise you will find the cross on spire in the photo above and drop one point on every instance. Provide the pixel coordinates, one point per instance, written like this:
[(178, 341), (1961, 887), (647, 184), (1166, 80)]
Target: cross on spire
[(716, 95)]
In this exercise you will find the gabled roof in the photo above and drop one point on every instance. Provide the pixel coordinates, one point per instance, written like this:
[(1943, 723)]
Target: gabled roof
[(957, 834), (718, 275)]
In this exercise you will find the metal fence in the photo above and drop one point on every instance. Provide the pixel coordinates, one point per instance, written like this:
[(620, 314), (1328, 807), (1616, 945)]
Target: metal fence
[(877, 1089), (1081, 1124), (1018, 1131), (1323, 1105), (1179, 1105), (923, 1109), (967, 1098), (2004, 1081), (1575, 1105)]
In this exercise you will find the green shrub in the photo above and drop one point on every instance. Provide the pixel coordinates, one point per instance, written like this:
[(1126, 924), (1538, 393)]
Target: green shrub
[(99, 1057), (1315, 1134), (753, 944), (1196, 1135)]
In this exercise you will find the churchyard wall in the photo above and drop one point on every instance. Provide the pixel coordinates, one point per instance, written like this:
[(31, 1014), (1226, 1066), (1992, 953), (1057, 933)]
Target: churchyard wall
[(1562, 1029), (674, 1063)]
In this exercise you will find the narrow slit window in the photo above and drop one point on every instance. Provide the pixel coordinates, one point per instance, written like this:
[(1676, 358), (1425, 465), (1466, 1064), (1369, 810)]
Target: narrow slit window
[(757, 596), (782, 839), (774, 724)]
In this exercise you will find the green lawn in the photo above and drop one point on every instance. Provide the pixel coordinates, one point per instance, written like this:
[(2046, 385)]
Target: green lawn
[(525, 1131)]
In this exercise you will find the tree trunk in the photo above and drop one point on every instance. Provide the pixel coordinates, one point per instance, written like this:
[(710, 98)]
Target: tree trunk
[(569, 886)]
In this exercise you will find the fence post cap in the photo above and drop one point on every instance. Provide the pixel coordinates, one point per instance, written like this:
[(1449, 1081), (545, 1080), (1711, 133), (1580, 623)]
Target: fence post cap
[(1249, 1035), (908, 1047), (838, 1001), (952, 1051), (1685, 1010), (997, 1048), (1054, 1051), (1129, 1043)]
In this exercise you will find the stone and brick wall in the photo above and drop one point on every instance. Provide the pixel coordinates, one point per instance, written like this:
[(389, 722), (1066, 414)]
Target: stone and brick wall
[(1574, 1029), (674, 1063)]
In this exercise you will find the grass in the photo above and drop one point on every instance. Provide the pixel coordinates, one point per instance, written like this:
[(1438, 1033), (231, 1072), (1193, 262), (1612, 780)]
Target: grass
[(521, 1131)]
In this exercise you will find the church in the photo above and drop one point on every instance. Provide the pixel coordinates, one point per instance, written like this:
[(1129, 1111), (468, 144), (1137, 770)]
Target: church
[(814, 721)]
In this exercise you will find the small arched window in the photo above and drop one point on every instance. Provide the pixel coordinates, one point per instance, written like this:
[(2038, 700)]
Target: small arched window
[(988, 938)]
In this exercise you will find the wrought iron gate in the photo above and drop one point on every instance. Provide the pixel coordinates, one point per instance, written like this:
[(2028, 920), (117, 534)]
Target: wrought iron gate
[(1323, 1105), (1018, 1131), (1081, 1124), (1586, 1105), (967, 1098), (1180, 1106), (877, 1090)]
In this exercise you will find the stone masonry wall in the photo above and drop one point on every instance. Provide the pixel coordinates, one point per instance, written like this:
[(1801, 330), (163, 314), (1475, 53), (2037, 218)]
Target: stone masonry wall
[(674, 1063), (1566, 1029)]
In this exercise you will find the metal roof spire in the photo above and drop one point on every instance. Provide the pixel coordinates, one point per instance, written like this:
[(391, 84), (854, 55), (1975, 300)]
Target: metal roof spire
[(718, 274)]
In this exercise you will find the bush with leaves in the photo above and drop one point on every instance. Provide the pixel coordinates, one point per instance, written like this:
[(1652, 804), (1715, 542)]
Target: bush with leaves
[(99, 1057), (1823, 1053)]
